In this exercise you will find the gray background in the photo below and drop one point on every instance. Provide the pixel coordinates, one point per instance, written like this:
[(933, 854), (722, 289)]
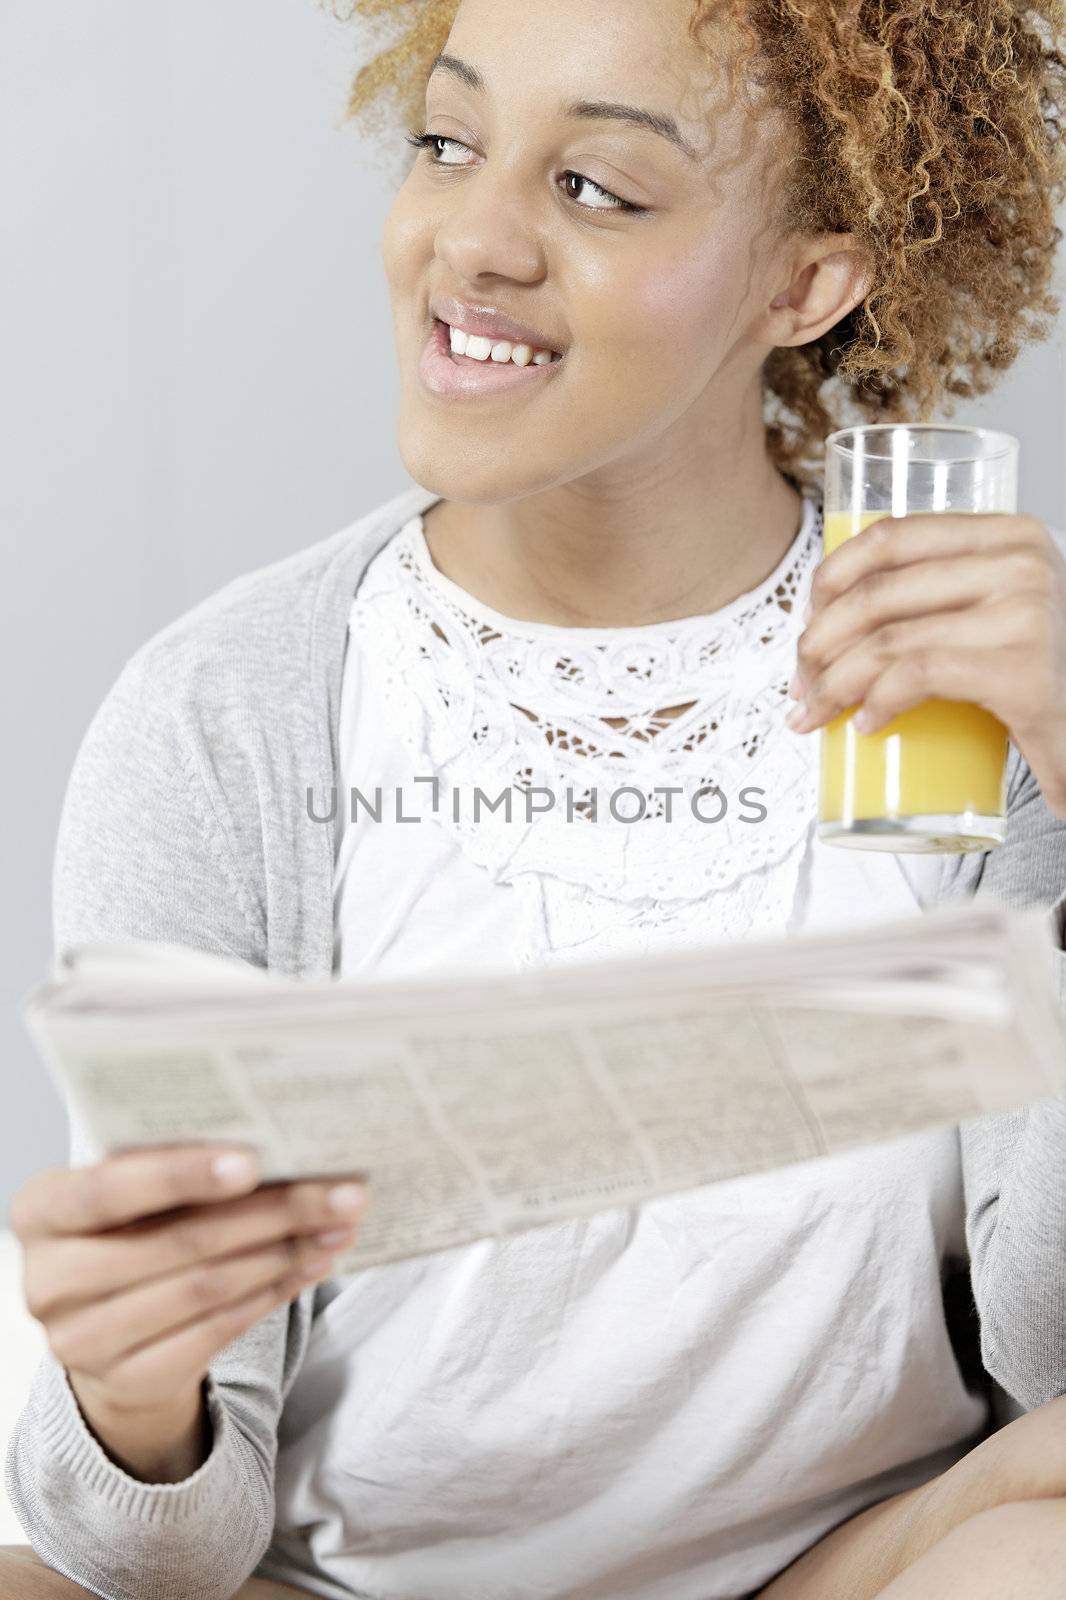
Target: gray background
[(198, 377)]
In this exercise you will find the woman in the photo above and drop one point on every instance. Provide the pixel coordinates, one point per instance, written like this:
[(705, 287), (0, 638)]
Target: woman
[(599, 576)]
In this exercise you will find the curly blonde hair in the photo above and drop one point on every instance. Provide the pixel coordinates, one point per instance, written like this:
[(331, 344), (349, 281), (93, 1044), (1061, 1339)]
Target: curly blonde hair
[(931, 130)]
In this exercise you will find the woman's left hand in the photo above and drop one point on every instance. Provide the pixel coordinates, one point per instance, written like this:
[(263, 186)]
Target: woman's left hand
[(948, 606)]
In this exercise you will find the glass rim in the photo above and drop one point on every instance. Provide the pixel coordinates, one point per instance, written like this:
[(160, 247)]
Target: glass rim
[(1007, 442)]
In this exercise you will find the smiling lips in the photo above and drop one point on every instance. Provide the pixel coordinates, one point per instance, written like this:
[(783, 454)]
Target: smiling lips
[(481, 348), (489, 323), (446, 370)]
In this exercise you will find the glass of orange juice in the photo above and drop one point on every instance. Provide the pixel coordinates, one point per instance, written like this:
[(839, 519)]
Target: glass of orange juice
[(934, 778)]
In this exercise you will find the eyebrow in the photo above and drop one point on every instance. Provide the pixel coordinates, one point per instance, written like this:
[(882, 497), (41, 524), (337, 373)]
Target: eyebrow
[(593, 110)]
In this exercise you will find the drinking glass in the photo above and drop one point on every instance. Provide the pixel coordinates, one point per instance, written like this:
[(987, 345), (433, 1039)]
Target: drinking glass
[(934, 778)]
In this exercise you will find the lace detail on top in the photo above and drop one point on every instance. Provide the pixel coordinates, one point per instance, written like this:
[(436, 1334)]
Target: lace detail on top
[(604, 721)]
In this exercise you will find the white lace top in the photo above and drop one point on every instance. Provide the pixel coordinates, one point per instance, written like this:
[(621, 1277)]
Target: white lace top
[(661, 829), (663, 1402)]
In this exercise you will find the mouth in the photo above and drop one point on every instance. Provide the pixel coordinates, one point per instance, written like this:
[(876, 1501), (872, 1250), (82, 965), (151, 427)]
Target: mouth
[(445, 371)]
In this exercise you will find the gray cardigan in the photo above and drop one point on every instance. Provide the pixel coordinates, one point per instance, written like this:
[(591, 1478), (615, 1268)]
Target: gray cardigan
[(185, 820)]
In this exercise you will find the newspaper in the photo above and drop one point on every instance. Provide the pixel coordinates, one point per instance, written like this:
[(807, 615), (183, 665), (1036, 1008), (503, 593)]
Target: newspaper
[(478, 1107)]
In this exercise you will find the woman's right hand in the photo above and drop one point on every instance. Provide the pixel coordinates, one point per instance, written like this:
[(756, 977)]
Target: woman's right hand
[(142, 1266)]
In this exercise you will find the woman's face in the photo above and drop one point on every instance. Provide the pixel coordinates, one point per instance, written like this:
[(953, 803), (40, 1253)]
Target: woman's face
[(657, 313)]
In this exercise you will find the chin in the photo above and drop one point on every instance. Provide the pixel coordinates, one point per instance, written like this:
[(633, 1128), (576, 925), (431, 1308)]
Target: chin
[(453, 462)]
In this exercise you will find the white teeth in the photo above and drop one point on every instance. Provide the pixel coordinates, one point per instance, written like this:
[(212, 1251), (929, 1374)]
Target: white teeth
[(481, 349)]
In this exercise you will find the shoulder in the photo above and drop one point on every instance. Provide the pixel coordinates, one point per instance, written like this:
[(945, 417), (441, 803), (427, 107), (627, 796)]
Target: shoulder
[(181, 816), (268, 632), (241, 684)]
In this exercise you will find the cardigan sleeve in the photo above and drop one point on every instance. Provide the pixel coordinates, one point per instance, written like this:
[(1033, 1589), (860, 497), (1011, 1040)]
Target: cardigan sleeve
[(1014, 1164), (140, 854)]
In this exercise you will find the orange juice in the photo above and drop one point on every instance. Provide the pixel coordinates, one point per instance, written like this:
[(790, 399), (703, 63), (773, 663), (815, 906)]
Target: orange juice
[(943, 758)]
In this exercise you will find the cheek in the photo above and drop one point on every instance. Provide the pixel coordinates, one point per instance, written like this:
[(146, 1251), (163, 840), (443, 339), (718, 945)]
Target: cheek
[(406, 240), (675, 310), (689, 301)]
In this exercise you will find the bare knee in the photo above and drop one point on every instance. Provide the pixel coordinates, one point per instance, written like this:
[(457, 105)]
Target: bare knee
[(1017, 1548), (23, 1573), (1034, 1445), (1022, 1461), (1023, 1541)]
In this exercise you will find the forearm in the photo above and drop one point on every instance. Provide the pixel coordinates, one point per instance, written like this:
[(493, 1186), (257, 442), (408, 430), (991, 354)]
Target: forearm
[(88, 1517), (163, 1445)]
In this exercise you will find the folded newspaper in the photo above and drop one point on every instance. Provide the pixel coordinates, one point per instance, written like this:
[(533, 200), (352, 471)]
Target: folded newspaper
[(478, 1107)]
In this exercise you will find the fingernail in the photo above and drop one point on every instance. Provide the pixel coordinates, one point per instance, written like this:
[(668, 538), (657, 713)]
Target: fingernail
[(797, 714), (861, 720), (795, 686), (319, 1267), (333, 1236), (347, 1197), (234, 1169), (808, 612)]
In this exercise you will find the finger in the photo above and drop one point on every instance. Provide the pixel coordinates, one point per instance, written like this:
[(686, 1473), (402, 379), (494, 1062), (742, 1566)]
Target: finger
[(93, 1337), (70, 1271), (123, 1187), (919, 536), (892, 594), (998, 634), (928, 674), (165, 1365)]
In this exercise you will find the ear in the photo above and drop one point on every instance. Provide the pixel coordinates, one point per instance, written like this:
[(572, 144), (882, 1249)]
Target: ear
[(829, 276)]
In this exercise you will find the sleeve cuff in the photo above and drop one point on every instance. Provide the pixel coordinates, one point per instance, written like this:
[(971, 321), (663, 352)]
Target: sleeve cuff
[(70, 1446)]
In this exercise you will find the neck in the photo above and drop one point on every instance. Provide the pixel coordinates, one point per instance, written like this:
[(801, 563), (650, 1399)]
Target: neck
[(622, 553)]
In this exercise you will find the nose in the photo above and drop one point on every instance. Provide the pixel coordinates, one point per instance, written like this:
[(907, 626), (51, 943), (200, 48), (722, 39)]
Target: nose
[(489, 225)]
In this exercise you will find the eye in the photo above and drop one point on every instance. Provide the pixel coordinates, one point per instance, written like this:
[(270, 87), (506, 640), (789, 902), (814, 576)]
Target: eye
[(429, 141)]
